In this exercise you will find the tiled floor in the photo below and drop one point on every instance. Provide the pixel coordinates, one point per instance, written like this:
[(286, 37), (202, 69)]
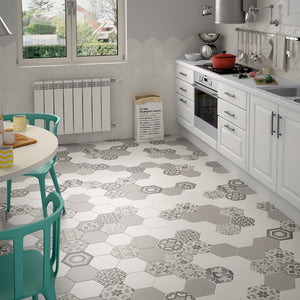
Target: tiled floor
[(158, 221)]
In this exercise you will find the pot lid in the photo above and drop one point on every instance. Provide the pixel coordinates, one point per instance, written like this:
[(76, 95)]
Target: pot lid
[(224, 55)]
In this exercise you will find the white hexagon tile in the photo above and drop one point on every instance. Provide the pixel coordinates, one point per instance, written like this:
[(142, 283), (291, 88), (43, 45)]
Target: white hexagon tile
[(160, 221)]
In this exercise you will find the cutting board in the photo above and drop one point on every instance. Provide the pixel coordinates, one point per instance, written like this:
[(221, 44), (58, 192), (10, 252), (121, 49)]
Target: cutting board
[(263, 81), (22, 140)]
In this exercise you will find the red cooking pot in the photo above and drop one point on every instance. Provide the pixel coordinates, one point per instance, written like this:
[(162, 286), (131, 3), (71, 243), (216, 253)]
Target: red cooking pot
[(223, 61)]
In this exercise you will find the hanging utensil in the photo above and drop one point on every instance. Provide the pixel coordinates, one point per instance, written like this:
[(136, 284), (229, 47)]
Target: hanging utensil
[(243, 48), (256, 50), (238, 44), (248, 46), (260, 56), (252, 46)]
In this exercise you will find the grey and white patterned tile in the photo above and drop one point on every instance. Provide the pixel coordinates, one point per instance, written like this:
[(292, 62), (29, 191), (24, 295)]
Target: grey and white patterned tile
[(262, 292), (157, 221)]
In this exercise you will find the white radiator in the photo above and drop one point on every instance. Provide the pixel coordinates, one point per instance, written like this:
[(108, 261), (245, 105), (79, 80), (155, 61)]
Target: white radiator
[(82, 105)]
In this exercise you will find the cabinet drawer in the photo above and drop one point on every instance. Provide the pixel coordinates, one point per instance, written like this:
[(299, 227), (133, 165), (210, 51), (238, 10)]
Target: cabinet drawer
[(185, 111), (232, 95), (232, 142), (185, 89), (185, 74), (232, 113)]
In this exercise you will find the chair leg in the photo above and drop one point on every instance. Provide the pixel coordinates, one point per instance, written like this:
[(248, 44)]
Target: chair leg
[(35, 297), (49, 294), (54, 179), (8, 194), (43, 194)]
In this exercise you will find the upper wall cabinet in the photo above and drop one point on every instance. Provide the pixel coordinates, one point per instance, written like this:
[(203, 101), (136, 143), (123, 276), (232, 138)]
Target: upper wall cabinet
[(291, 12)]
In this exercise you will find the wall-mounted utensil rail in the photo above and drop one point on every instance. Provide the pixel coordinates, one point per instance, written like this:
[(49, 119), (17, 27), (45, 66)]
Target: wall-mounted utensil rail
[(292, 38)]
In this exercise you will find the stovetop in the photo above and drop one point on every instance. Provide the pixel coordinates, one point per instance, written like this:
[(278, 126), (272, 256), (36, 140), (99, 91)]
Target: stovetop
[(238, 68)]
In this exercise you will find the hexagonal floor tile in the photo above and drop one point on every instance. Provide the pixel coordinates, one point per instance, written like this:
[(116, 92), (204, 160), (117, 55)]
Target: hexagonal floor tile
[(131, 220), (256, 292), (139, 280), (122, 291), (87, 289), (77, 259), (110, 277), (81, 273), (143, 242), (218, 274), (224, 250), (200, 287), (279, 234), (167, 284), (125, 251), (159, 268), (149, 293), (151, 254), (132, 265)]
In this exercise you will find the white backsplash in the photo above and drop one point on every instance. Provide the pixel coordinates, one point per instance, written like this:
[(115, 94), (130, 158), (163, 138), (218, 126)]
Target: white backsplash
[(228, 38)]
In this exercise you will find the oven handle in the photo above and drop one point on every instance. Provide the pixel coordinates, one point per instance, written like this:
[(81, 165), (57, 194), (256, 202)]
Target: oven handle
[(205, 90)]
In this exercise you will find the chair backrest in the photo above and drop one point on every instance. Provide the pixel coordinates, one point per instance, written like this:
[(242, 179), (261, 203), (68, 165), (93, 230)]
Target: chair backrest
[(50, 224), (33, 117)]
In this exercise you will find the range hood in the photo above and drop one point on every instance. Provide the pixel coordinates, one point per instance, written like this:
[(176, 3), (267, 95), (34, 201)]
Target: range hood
[(232, 11)]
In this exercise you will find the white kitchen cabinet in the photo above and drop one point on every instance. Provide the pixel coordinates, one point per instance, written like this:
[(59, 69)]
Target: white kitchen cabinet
[(185, 112), (184, 74), (233, 95), (232, 142), (275, 147), (232, 113), (263, 141), (185, 89), (232, 124), (185, 94), (289, 156)]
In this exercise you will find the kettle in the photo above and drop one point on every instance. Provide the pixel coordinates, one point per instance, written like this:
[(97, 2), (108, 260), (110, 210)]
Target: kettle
[(208, 50)]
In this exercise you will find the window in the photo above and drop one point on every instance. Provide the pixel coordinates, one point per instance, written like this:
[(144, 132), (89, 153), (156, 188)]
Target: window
[(71, 31)]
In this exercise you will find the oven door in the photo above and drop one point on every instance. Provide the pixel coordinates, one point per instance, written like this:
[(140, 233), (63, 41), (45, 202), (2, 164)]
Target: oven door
[(206, 110)]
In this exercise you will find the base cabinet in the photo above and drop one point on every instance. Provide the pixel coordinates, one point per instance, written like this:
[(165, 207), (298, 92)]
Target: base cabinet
[(275, 147), (232, 142), (263, 141), (289, 156)]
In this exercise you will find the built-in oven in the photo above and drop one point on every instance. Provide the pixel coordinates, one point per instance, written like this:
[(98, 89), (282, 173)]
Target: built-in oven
[(206, 105)]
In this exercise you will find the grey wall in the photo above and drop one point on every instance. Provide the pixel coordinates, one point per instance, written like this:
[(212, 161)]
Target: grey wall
[(159, 31), (164, 18)]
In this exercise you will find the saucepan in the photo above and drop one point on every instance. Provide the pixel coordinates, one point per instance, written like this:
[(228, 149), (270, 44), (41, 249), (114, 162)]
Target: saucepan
[(223, 61)]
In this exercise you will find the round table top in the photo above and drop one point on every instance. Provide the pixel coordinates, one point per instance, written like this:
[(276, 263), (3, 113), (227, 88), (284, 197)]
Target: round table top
[(31, 157)]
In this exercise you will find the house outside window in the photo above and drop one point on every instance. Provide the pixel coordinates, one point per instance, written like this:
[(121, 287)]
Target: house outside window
[(71, 31)]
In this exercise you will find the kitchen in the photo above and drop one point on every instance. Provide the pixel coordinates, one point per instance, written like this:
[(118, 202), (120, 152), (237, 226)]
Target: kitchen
[(156, 43)]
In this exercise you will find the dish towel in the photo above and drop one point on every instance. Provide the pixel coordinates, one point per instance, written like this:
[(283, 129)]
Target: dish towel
[(280, 54)]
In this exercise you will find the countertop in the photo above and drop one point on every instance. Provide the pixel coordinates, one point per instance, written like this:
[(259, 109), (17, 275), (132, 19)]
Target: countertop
[(247, 84)]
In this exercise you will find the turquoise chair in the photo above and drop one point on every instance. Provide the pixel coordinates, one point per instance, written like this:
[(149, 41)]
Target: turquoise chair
[(27, 273), (40, 173)]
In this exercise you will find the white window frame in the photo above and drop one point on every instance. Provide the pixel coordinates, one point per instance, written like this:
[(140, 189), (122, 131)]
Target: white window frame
[(71, 27)]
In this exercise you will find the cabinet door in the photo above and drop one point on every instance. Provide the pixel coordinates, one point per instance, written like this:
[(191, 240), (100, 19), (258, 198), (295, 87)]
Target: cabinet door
[(185, 112), (289, 156), (232, 142), (262, 143)]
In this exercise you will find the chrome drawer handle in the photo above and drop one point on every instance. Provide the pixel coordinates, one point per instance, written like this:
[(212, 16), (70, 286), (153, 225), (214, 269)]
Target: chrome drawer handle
[(184, 101), (273, 115), (229, 94), (183, 74), (279, 117), (184, 90), (229, 114), (230, 128)]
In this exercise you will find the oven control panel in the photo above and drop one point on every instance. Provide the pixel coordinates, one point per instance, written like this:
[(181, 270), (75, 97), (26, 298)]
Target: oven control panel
[(205, 80)]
